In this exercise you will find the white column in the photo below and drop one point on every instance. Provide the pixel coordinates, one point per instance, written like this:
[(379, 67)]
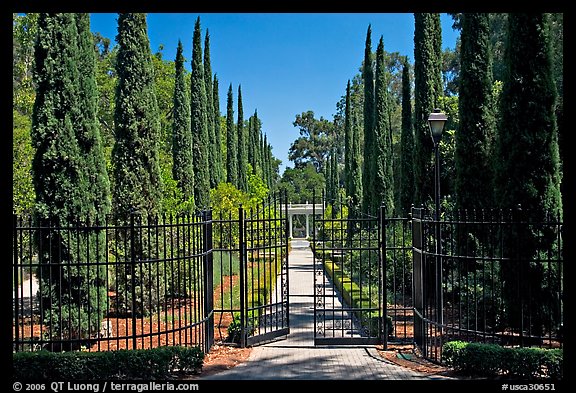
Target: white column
[(290, 225), (307, 226)]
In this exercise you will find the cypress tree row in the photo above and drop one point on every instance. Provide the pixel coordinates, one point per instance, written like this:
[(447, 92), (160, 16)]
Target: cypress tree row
[(135, 161), (407, 145), (427, 89), (473, 153), (219, 158), (199, 124), (213, 172), (182, 169), (65, 136), (242, 146), (527, 173), (137, 182), (347, 142), (369, 140), (382, 182), (232, 142)]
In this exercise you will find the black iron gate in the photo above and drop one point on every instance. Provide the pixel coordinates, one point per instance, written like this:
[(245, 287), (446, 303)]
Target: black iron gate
[(251, 283), (348, 277)]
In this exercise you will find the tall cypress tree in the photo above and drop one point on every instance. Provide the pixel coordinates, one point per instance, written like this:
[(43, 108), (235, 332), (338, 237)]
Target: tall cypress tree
[(65, 136), (382, 182), (242, 148), (347, 142), (475, 133), (253, 142), (219, 159), (268, 161), (527, 172), (212, 146), (262, 152), (335, 174), (135, 159), (199, 123), (427, 89), (182, 168), (407, 145), (58, 175), (232, 142), (369, 162), (328, 179), (356, 191)]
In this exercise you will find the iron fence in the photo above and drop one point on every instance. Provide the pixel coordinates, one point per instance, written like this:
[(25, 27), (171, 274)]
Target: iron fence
[(138, 283), (498, 279)]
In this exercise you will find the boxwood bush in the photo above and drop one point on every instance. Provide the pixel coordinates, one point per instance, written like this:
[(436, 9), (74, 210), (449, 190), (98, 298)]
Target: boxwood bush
[(491, 360), (156, 363)]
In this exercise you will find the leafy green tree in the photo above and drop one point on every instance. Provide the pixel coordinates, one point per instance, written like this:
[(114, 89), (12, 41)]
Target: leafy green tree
[(317, 138), (527, 171), (106, 80), (182, 168), (199, 123), (427, 90), (24, 30), (138, 182), (301, 182), (475, 135), (407, 147), (369, 117), (232, 142), (382, 182), (242, 146)]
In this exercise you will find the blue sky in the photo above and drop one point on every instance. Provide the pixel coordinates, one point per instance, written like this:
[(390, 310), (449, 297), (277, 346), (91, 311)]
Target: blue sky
[(286, 63)]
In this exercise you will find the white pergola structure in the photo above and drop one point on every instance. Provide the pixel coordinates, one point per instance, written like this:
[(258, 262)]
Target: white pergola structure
[(306, 209)]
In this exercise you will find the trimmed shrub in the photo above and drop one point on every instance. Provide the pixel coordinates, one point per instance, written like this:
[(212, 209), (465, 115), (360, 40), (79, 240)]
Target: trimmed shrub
[(491, 360), (156, 363), (354, 297)]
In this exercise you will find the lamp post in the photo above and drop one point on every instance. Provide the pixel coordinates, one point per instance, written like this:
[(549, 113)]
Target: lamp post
[(436, 121)]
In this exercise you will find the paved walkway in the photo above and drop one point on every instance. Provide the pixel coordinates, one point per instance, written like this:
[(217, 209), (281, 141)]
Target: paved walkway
[(296, 357)]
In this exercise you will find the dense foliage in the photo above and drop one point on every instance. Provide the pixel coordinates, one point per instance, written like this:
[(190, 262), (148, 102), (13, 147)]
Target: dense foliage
[(157, 363)]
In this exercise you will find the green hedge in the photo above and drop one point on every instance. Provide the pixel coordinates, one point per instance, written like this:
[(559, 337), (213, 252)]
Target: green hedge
[(156, 363), (354, 297), (491, 360)]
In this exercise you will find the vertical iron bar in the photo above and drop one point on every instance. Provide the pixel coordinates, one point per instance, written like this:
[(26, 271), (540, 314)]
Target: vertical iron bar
[(16, 272), (133, 278), (383, 299), (242, 258), (208, 281), (285, 269), (314, 267)]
